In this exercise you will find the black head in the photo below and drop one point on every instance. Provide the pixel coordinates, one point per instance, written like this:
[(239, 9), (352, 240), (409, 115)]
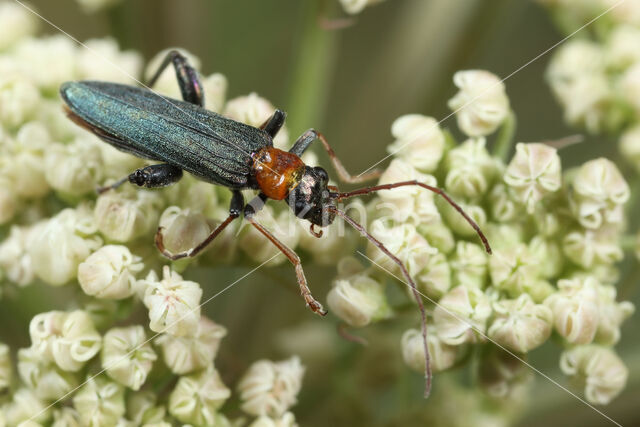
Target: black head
[(310, 198)]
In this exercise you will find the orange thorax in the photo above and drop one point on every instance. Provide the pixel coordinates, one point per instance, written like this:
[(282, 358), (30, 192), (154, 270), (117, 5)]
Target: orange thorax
[(277, 172)]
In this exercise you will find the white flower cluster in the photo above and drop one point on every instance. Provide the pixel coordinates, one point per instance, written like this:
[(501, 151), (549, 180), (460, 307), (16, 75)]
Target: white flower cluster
[(556, 241), (597, 79), (82, 369)]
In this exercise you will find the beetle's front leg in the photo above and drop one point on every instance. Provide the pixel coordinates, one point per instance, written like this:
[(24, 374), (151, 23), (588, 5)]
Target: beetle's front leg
[(154, 176), (235, 208), (188, 79)]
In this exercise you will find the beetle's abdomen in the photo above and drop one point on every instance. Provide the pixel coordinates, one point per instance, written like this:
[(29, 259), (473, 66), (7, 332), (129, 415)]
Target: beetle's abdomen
[(277, 172)]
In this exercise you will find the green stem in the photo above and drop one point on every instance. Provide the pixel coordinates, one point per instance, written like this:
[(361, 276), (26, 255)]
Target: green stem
[(628, 243), (311, 73), (504, 142)]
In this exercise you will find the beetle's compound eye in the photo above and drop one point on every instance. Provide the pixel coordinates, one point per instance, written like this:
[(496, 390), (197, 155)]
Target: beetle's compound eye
[(321, 174)]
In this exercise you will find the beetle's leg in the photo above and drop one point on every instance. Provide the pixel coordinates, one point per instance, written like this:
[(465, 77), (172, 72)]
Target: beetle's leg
[(311, 135), (153, 176), (235, 208), (188, 78), (274, 123), (314, 305)]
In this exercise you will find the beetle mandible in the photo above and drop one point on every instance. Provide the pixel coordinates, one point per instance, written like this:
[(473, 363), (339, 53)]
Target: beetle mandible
[(183, 136)]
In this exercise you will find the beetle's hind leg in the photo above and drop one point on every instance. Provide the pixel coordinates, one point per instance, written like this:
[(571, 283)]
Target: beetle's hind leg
[(188, 79), (153, 176), (235, 208)]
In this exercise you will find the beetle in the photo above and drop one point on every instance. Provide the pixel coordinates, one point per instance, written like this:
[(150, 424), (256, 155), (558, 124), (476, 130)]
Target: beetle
[(183, 136)]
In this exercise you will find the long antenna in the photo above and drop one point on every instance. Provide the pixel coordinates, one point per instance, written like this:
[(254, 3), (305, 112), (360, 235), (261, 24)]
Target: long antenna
[(368, 190), (416, 294)]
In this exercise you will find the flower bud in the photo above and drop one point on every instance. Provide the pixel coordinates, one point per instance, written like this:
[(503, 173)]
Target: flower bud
[(470, 169), (98, 61), (549, 255), (173, 303), (127, 357), (183, 229), (353, 7), (23, 166), (410, 203), (124, 216), (533, 172), (15, 259), (575, 58), (61, 244), (196, 398), (19, 98), (5, 367), (503, 207), (48, 61), (611, 315), (600, 190), (404, 242), (46, 380), (438, 235), (481, 105), (621, 48), (109, 272), (520, 325), (92, 6), (142, 409), (66, 417), (358, 300), (184, 355), (16, 22), (215, 91), (588, 247), (514, 270), (100, 401), (68, 339), (74, 169), (254, 111), (25, 406), (442, 355), (434, 279), (601, 371), (287, 420), (469, 265), (461, 315), (419, 141), (270, 388), (575, 309)]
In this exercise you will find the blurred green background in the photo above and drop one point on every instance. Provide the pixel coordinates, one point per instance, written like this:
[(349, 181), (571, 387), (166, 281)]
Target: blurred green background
[(397, 58)]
